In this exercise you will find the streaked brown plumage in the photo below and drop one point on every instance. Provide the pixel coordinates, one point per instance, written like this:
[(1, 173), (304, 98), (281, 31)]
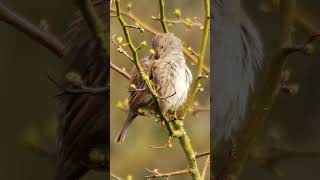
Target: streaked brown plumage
[(170, 75), (84, 118)]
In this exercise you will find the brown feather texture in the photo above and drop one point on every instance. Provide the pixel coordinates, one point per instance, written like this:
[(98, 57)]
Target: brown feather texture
[(84, 118), (170, 75)]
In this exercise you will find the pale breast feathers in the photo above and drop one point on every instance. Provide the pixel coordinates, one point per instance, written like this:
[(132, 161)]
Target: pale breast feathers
[(171, 79)]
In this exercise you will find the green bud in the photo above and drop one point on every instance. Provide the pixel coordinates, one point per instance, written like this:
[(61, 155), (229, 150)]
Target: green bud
[(309, 49), (177, 12), (143, 44), (129, 6), (73, 77), (97, 155)]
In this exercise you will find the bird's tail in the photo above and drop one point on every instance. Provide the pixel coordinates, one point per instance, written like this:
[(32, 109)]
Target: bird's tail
[(122, 133)]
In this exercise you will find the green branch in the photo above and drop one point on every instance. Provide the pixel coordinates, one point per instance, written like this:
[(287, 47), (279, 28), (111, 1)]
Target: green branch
[(163, 19), (203, 45), (262, 100)]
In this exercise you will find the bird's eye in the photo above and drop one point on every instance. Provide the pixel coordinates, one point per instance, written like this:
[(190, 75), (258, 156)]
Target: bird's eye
[(161, 47)]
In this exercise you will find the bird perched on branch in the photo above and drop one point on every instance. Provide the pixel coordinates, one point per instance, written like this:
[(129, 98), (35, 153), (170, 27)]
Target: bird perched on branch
[(170, 75), (237, 54), (84, 118)]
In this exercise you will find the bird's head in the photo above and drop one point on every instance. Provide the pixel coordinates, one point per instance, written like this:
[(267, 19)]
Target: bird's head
[(166, 44)]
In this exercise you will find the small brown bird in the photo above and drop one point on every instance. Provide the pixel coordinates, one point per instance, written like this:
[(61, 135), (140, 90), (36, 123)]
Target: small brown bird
[(170, 75)]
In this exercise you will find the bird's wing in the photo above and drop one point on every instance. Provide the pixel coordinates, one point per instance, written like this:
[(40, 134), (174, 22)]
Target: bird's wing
[(136, 96)]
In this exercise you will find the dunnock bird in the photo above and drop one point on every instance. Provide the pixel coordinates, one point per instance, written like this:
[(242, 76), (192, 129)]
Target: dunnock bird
[(237, 54), (170, 75), (84, 118)]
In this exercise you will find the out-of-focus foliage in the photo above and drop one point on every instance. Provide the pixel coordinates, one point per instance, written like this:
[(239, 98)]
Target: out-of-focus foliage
[(293, 123), (28, 107)]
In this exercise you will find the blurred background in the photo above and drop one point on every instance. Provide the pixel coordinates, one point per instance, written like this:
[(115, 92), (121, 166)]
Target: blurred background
[(28, 108), (134, 155), (295, 120)]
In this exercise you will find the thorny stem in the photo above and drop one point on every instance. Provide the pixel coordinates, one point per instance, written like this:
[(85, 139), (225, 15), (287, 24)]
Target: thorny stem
[(154, 31), (263, 98), (203, 45)]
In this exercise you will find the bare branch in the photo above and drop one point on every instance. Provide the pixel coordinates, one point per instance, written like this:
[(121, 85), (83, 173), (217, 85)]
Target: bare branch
[(81, 90), (20, 23), (198, 155), (120, 48), (156, 174), (186, 22), (205, 167), (121, 71)]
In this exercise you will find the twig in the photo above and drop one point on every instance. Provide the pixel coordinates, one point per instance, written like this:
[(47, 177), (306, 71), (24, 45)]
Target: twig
[(205, 167), (135, 27), (198, 155), (167, 145), (120, 48), (194, 23), (115, 177), (121, 71), (46, 39), (193, 52), (304, 47), (81, 90), (154, 31), (156, 174)]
